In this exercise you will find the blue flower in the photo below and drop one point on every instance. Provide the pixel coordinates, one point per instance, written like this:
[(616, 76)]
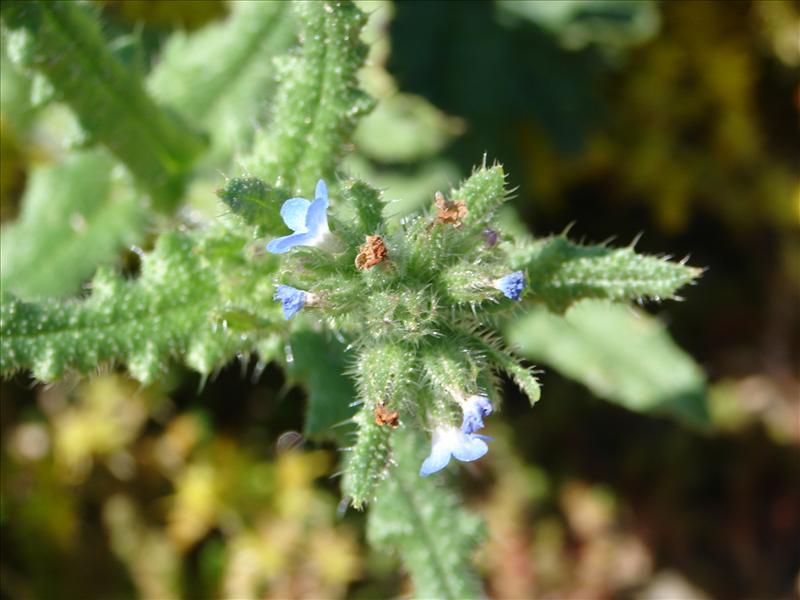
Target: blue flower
[(475, 408), (308, 220), (462, 443), (511, 285), (449, 441), (291, 298)]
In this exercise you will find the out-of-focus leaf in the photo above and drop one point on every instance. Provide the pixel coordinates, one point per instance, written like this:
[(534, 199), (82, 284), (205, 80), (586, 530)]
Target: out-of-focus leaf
[(64, 41), (405, 192), (621, 354), (15, 92), (578, 23), (413, 127), (318, 361), (459, 75), (223, 75), (318, 103), (70, 224)]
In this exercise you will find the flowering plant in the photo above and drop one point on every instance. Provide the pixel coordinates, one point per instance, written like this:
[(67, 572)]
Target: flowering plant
[(420, 304)]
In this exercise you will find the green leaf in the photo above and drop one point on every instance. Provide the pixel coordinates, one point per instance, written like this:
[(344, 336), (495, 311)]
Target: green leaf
[(223, 75), (561, 273), (384, 373), (367, 461), (70, 224), (522, 376), (404, 128), (258, 203), (483, 193), (424, 522), (615, 24), (318, 101), (319, 362), (449, 369), (63, 41), (15, 93), (367, 203), (619, 353), (172, 309)]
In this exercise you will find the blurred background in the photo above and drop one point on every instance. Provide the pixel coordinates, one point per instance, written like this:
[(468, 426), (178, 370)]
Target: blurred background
[(676, 121)]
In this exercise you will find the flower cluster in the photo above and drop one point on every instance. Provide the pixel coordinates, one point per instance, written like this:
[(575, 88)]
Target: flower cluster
[(308, 221)]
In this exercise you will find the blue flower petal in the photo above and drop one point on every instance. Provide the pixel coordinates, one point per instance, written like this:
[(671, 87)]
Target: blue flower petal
[(475, 408), (294, 212), (292, 299), (438, 459), (316, 217), (308, 220), (469, 447), (287, 242), (512, 285), (321, 191)]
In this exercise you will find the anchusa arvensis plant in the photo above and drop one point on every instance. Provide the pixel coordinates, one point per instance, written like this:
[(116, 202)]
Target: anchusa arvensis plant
[(417, 304)]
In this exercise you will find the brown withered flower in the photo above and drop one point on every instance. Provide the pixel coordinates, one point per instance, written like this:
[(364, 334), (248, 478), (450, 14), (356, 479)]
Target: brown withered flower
[(371, 253), (383, 416), (450, 212)]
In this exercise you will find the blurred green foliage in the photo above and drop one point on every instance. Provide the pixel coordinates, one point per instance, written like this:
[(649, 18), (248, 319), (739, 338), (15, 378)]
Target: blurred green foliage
[(620, 354)]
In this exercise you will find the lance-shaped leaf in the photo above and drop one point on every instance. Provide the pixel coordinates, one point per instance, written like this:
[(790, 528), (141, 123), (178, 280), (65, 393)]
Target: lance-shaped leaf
[(503, 358), (425, 524), (367, 203), (174, 308), (367, 461), (256, 202), (621, 354), (384, 374), (63, 41), (482, 193), (318, 100), (223, 75), (70, 224), (561, 273), (449, 369)]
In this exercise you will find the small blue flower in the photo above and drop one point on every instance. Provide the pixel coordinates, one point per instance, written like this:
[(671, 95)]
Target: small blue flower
[(475, 408), (464, 444), (291, 298), (308, 220), (511, 285), (449, 441)]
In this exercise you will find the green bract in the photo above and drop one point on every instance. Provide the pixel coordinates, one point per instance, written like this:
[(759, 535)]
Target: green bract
[(410, 309)]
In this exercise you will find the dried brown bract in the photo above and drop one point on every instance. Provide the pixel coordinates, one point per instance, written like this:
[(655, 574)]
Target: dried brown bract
[(451, 212), (383, 416), (371, 253)]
